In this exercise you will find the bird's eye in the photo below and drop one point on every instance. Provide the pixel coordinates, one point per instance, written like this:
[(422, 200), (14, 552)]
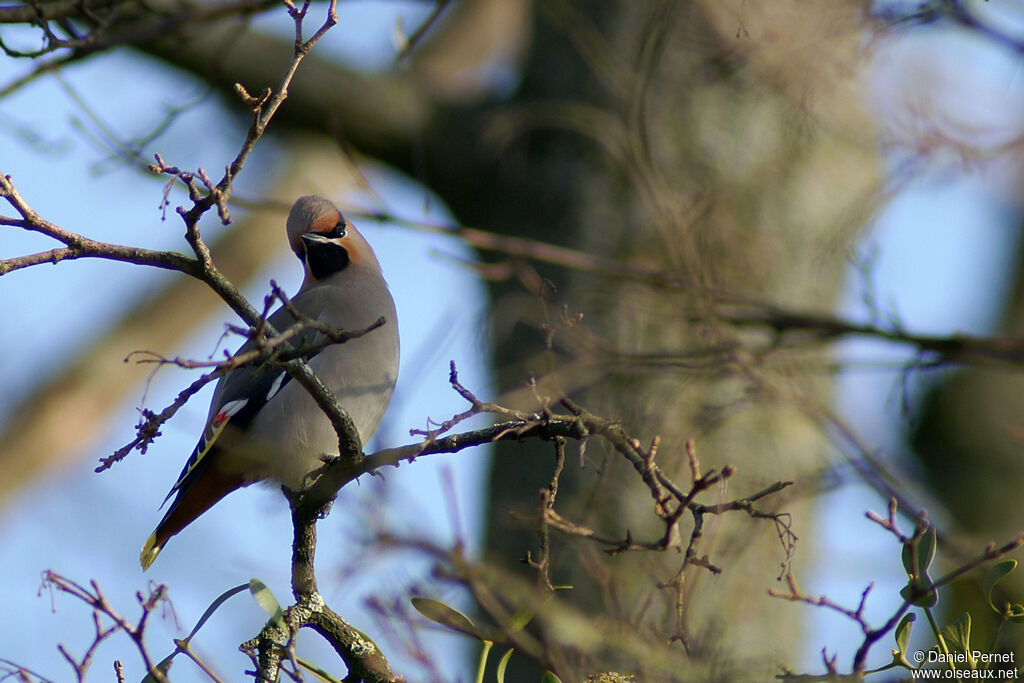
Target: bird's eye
[(338, 231)]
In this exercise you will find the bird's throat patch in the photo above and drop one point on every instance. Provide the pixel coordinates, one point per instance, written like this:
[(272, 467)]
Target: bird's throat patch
[(326, 259)]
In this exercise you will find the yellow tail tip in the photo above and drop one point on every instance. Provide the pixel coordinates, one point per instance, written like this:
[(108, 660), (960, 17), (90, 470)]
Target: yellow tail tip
[(149, 552)]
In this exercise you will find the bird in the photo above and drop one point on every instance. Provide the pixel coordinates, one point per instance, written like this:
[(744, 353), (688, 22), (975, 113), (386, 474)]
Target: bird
[(262, 426)]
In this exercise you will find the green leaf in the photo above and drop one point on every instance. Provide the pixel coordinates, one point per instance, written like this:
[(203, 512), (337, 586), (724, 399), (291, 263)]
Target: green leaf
[(926, 553), (438, 612), (165, 664), (265, 599), (1016, 613), (994, 575), (958, 637), (918, 555), (916, 587), (522, 617), (924, 546), (903, 631), (898, 659), (519, 620), (214, 606), (550, 678), (163, 667), (503, 664), (482, 666)]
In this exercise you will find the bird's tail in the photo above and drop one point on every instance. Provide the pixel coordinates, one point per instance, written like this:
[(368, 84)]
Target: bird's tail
[(201, 490), (151, 550)]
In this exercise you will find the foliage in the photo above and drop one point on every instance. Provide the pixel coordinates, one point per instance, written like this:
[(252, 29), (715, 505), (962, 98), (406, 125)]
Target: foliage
[(953, 648)]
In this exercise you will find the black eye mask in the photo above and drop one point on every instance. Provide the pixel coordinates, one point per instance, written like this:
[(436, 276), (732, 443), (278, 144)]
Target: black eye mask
[(338, 231), (325, 258)]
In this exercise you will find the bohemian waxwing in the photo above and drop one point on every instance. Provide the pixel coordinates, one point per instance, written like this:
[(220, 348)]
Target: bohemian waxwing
[(264, 426)]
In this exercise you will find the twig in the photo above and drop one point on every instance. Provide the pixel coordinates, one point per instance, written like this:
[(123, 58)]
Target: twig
[(413, 40), (547, 509), (362, 657), (918, 589), (95, 599)]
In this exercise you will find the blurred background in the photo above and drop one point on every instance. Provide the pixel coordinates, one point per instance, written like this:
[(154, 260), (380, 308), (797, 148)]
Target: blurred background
[(711, 165)]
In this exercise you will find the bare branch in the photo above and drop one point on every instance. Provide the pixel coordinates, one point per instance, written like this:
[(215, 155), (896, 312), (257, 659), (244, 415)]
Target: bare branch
[(77, 245), (96, 601)]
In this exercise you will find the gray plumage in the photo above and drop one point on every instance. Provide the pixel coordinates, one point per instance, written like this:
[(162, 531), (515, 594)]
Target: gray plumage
[(262, 425)]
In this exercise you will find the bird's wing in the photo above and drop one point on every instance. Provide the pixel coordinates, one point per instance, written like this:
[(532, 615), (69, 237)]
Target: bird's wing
[(243, 392)]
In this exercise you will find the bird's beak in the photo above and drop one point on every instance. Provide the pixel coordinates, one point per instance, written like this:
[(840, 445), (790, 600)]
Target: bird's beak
[(314, 238)]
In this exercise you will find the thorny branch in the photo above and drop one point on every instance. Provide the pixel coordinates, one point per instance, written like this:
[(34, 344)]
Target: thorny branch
[(77, 246), (547, 508), (670, 500), (270, 647), (273, 646), (102, 609), (873, 634), (263, 109)]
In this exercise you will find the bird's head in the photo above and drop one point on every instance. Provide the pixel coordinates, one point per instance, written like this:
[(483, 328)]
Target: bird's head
[(325, 241)]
